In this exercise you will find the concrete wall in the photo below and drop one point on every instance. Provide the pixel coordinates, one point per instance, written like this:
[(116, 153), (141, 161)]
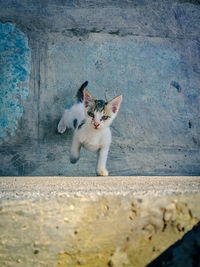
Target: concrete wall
[(112, 221), (148, 51)]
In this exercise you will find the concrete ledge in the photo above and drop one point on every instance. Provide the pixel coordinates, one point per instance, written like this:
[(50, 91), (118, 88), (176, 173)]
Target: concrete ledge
[(93, 221), (48, 187)]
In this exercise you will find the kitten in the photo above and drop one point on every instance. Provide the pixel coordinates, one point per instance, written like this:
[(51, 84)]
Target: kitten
[(90, 120)]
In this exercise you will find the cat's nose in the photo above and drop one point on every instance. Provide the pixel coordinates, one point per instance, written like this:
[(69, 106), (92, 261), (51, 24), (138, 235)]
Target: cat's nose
[(96, 124)]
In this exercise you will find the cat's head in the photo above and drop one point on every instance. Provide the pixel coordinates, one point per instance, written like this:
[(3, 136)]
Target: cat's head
[(100, 114)]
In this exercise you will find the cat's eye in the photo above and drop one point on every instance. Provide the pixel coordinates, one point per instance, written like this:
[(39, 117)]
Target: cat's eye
[(91, 114), (104, 118)]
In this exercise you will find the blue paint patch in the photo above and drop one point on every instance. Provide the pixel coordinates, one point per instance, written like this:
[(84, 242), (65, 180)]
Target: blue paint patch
[(15, 62)]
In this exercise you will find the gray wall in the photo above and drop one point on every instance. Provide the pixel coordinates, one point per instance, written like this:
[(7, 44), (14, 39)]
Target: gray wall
[(148, 51)]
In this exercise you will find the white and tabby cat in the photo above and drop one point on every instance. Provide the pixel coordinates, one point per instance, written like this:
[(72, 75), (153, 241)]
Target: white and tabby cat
[(90, 120)]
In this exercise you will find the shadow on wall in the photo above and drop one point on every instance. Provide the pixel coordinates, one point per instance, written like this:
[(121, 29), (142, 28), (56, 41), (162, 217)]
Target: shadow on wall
[(185, 252)]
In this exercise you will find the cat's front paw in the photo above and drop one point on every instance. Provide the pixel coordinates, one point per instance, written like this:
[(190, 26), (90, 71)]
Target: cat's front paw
[(102, 172), (61, 127), (73, 159)]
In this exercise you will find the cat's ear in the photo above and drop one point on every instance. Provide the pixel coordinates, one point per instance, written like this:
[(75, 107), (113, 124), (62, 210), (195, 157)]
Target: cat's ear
[(88, 99), (114, 104)]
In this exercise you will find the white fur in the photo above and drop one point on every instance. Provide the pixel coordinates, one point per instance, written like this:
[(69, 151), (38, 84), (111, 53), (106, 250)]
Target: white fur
[(88, 136), (76, 111)]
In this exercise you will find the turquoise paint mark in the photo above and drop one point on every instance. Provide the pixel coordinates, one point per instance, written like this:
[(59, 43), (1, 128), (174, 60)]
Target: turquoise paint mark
[(15, 62)]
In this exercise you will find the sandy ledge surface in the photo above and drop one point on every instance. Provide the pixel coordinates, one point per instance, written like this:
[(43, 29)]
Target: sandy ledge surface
[(48, 187)]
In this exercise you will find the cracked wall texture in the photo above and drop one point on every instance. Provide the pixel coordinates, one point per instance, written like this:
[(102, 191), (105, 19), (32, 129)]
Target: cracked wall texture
[(148, 51), (99, 231)]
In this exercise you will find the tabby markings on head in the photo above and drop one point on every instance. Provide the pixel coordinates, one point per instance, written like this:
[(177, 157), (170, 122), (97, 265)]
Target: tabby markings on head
[(99, 105)]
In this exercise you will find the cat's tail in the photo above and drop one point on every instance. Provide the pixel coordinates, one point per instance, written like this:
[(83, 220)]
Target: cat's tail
[(79, 94)]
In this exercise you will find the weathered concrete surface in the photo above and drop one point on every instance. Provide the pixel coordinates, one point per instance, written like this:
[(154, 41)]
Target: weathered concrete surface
[(50, 187), (184, 252), (148, 51), (116, 221)]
